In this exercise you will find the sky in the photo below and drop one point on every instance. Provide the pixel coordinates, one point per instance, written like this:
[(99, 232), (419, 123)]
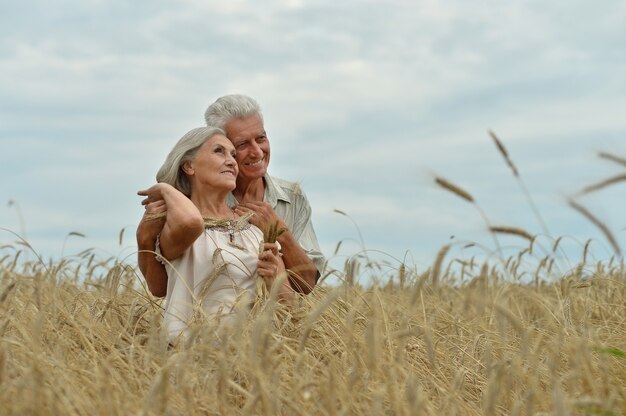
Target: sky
[(365, 103)]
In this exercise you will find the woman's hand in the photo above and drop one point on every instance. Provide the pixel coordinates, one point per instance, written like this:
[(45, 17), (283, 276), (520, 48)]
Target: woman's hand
[(154, 193), (270, 264), (270, 267), (183, 221)]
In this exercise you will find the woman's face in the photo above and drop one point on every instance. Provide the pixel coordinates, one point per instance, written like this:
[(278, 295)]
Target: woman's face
[(214, 165)]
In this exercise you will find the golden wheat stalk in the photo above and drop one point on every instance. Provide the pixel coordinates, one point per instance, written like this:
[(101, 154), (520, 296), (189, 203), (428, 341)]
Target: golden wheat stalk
[(504, 153), (586, 250), (437, 265), (454, 189), (449, 186), (602, 184), (151, 217), (605, 230), (556, 244), (612, 158), (270, 234), (512, 231), (509, 162)]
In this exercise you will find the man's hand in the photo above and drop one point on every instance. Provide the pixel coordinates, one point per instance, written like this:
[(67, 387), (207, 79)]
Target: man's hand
[(294, 257), (264, 214), (152, 221), (149, 228)]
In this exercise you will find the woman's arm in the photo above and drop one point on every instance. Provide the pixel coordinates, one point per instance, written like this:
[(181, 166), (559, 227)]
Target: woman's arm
[(183, 221)]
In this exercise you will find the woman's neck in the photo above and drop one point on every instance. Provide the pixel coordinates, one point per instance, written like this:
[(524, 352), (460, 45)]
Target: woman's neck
[(249, 190), (211, 203)]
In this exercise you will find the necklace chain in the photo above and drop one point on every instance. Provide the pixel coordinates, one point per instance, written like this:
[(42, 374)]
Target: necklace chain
[(231, 225), (212, 222)]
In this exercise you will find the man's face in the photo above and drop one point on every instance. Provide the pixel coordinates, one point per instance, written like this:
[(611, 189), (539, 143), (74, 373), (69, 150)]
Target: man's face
[(251, 144)]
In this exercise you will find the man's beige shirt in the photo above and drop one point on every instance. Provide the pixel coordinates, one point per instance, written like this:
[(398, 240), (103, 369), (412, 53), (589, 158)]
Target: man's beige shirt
[(291, 204)]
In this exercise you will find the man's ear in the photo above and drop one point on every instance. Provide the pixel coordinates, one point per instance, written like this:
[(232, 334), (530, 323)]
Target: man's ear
[(187, 168)]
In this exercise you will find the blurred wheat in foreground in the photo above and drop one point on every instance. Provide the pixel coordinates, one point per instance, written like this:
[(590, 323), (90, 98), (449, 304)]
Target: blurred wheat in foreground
[(83, 338)]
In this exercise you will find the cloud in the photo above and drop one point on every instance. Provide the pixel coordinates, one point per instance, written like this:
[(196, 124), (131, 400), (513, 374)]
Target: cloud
[(363, 102)]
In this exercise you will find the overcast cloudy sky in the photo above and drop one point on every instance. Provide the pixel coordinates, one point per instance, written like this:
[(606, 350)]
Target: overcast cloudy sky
[(364, 101)]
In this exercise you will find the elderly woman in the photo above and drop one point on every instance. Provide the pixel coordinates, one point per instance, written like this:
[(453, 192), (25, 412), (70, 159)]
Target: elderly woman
[(211, 255)]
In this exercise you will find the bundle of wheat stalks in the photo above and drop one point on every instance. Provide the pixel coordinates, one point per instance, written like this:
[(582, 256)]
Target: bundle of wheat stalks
[(83, 337)]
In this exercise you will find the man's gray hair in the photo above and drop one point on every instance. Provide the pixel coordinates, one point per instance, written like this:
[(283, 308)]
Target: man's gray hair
[(230, 107), (171, 171)]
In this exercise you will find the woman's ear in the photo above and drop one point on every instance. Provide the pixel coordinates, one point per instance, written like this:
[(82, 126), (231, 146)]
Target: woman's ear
[(187, 168)]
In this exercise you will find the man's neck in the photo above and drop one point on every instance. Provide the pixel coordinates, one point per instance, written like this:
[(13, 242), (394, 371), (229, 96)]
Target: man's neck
[(249, 191)]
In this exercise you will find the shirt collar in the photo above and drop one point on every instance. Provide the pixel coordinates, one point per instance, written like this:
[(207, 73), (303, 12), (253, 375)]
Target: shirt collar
[(272, 195)]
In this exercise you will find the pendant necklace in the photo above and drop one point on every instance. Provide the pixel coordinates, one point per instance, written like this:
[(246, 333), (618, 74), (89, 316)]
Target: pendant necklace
[(230, 226), (231, 235)]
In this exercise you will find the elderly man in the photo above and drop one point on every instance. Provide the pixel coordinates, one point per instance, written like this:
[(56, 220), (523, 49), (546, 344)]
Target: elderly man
[(270, 199)]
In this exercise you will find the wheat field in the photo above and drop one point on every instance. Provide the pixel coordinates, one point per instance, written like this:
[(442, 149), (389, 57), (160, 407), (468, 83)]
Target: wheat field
[(83, 336), (527, 334)]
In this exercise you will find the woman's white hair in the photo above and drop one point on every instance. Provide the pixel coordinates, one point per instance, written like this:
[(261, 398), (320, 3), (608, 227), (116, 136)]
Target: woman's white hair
[(171, 171), (230, 107)]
